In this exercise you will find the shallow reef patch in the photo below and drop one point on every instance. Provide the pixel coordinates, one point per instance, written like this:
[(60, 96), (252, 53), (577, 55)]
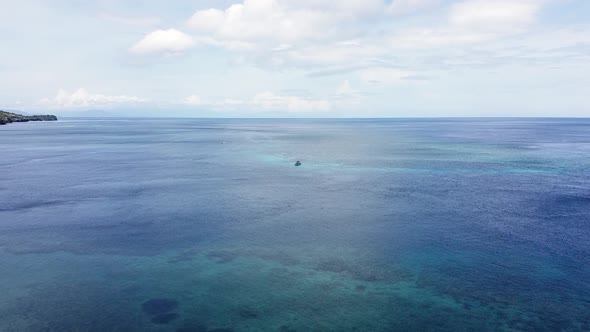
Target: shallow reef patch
[(195, 328), (222, 256), (164, 318), (159, 306), (248, 313)]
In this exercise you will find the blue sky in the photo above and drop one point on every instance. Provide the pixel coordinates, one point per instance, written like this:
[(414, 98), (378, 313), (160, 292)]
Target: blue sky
[(297, 58)]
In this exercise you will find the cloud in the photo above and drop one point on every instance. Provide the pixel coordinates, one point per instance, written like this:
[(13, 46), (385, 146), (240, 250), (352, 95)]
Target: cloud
[(384, 75), (346, 95), (262, 101), (333, 37), (494, 16), (424, 38), (345, 89), (232, 102), (208, 20), (257, 22), (399, 7), (270, 101), (472, 22), (272, 23), (304, 33), (193, 100), (169, 41), (84, 99)]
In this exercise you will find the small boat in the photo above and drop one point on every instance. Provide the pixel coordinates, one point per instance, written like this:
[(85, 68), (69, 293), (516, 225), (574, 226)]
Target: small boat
[(298, 163)]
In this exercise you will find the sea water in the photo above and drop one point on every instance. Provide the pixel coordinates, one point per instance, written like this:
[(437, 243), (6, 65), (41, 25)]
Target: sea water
[(207, 225)]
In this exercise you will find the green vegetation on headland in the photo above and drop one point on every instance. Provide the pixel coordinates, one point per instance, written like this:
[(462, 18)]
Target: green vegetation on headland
[(8, 117)]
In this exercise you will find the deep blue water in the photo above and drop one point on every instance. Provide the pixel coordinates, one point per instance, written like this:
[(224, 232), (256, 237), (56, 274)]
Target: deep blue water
[(389, 225)]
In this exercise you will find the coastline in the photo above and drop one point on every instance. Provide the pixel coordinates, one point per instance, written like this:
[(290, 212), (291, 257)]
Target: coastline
[(9, 117)]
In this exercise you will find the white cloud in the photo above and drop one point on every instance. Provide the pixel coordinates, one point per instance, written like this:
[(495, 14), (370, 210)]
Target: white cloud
[(419, 38), (384, 75), (207, 20), (346, 96), (472, 22), (84, 99), (399, 7), (169, 41), (232, 102), (256, 21), (497, 15), (262, 101), (332, 35), (345, 89), (193, 100), (272, 23), (337, 53), (270, 101)]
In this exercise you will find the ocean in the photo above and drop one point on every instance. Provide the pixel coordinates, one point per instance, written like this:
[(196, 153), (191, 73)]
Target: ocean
[(207, 225)]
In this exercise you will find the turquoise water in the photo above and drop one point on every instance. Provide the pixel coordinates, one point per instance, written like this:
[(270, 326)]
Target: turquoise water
[(206, 225)]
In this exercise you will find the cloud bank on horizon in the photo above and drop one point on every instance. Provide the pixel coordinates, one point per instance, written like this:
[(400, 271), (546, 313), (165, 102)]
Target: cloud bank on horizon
[(358, 58)]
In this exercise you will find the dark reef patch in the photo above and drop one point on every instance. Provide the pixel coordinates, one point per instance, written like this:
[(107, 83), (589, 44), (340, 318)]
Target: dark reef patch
[(363, 273), (164, 318), (285, 328), (159, 306), (185, 256), (223, 329), (277, 256), (196, 328), (68, 305), (248, 314), (222, 256)]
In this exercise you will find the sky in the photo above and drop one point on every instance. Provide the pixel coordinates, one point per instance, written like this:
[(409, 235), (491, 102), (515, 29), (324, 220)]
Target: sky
[(296, 58)]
